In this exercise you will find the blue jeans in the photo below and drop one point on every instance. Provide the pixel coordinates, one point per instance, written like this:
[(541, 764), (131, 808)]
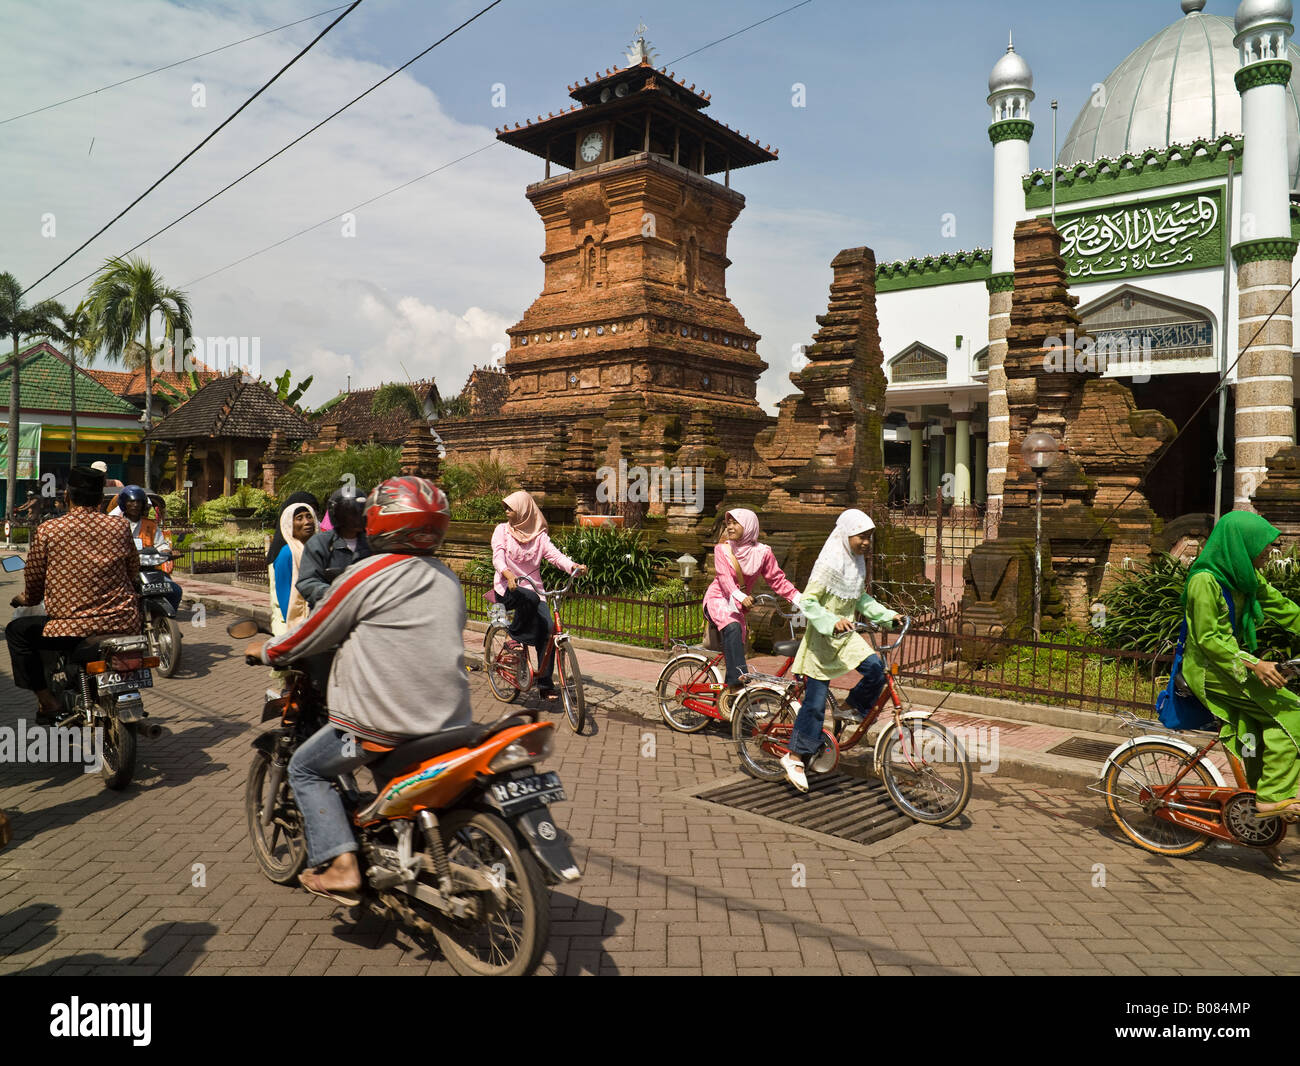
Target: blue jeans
[(312, 771), (733, 647), (806, 737)]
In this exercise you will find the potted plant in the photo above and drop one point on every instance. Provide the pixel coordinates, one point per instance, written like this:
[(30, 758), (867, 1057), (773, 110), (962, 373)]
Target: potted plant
[(243, 505)]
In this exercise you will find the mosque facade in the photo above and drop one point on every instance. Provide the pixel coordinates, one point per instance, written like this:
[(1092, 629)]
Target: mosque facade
[(1176, 199)]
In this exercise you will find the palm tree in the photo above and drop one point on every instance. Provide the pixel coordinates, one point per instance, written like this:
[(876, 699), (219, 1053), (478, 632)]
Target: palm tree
[(17, 321), (75, 330), (125, 297)]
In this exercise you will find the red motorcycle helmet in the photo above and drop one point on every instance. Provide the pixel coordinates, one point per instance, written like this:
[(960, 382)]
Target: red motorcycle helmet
[(407, 515)]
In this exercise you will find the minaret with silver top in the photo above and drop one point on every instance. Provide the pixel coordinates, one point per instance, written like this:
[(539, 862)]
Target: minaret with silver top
[(1010, 92)]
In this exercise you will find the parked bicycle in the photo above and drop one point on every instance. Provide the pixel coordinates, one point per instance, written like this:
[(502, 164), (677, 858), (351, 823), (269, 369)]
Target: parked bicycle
[(1168, 798), (510, 672), (923, 766), (691, 682)]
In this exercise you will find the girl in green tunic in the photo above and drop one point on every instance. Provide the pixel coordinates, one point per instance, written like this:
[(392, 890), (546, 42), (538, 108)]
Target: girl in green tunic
[(1247, 694), (835, 592)]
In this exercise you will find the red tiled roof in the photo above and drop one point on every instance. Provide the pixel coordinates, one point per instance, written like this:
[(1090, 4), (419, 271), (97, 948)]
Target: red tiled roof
[(127, 383)]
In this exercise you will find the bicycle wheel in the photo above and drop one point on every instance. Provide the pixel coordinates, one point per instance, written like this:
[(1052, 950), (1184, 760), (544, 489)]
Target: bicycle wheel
[(504, 665), (925, 771), (673, 689), (761, 724), (571, 694), (1142, 768)]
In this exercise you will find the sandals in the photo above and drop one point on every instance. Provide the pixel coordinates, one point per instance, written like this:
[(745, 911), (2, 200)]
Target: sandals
[(1287, 810), (794, 771), (348, 897)]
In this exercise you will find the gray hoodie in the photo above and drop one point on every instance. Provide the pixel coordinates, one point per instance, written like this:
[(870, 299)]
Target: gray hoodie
[(397, 621)]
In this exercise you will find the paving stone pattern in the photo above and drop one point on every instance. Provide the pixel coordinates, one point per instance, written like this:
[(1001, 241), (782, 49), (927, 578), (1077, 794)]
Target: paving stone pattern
[(103, 883)]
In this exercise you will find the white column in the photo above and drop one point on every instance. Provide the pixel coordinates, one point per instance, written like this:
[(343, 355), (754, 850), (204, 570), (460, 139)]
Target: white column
[(961, 484), (916, 483)]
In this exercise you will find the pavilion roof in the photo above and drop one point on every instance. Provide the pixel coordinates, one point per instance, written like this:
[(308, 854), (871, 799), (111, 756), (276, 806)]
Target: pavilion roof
[(231, 406)]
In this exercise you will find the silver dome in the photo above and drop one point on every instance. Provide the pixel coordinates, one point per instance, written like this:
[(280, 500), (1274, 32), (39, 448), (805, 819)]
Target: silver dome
[(1252, 13), (1174, 89), (1010, 72)]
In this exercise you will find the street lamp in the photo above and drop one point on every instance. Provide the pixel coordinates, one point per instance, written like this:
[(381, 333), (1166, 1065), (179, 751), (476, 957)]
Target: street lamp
[(1038, 450), (686, 563)]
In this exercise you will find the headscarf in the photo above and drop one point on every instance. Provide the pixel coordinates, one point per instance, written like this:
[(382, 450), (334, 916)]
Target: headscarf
[(528, 521), (746, 548), (837, 569), (279, 541), (1229, 554), (298, 607)]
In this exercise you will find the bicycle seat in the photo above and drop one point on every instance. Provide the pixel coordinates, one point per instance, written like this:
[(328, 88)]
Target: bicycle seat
[(785, 647), (421, 748)]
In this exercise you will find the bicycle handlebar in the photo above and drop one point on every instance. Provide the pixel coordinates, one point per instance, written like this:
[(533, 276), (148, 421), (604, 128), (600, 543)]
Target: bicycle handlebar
[(871, 627), (563, 590)]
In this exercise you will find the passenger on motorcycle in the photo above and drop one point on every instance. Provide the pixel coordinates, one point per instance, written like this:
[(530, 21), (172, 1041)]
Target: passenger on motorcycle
[(331, 551), (131, 504), (83, 566), (397, 619)]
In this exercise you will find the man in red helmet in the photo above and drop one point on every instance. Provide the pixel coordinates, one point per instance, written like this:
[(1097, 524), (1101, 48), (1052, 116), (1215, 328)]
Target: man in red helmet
[(397, 607)]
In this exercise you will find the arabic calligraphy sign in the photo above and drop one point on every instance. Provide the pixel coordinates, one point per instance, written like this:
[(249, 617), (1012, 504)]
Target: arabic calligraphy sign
[(1144, 237)]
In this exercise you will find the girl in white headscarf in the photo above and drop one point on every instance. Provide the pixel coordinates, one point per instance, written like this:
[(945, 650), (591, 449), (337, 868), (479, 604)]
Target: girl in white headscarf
[(835, 592)]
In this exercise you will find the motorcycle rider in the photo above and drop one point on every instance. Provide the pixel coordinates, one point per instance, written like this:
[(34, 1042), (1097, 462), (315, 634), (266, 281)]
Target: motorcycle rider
[(399, 605), (331, 551), (83, 566), (131, 503)]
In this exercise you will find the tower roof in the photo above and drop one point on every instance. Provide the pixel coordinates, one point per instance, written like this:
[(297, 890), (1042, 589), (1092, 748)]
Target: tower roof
[(1010, 72)]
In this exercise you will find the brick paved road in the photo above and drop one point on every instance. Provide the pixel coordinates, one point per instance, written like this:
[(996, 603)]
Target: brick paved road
[(103, 883)]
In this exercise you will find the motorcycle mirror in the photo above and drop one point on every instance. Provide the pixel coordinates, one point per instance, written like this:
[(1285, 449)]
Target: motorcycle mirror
[(12, 563), (243, 629)]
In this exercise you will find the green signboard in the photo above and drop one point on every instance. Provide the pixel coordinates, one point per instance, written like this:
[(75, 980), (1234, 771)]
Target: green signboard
[(1144, 237), (29, 450)]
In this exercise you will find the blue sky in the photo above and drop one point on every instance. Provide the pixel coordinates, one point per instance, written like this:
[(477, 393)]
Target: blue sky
[(892, 137)]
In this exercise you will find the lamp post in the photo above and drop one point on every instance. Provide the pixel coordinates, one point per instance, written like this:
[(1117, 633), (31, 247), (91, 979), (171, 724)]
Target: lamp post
[(686, 564), (1038, 450)]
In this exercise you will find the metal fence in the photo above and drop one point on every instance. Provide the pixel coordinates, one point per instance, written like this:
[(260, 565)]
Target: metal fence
[(639, 622), (247, 564), (1048, 671)]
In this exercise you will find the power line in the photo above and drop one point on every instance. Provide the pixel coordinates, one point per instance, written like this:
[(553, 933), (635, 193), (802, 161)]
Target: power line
[(193, 151), (738, 32), (295, 141), (331, 218), (158, 70), (429, 173)]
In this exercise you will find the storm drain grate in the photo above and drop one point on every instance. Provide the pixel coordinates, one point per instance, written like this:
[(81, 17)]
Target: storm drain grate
[(836, 804), (1084, 748)]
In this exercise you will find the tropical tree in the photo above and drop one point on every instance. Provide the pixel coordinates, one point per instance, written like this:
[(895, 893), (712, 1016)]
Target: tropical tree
[(320, 473), (190, 383), (75, 331), (287, 392), (396, 398), (17, 321), (126, 296)]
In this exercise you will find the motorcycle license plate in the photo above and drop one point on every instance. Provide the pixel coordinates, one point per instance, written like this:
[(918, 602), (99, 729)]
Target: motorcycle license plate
[(111, 681), (156, 588), (526, 793)]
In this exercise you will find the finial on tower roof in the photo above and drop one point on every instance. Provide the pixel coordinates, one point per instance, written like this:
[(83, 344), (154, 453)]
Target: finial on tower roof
[(639, 51)]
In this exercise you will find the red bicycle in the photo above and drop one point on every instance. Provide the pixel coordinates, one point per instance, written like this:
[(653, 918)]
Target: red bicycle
[(692, 680), (922, 764), (510, 672)]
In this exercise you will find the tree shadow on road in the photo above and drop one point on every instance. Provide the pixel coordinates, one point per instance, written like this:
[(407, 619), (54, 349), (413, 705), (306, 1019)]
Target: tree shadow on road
[(176, 947)]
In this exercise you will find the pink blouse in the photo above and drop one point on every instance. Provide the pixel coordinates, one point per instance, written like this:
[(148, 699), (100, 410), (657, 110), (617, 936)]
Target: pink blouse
[(720, 601), (524, 560)]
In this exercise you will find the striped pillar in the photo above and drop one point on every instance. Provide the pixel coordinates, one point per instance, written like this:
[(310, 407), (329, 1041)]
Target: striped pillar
[(1265, 411), (999, 430)]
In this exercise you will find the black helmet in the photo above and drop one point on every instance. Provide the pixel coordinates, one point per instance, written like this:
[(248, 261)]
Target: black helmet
[(132, 494), (346, 506)]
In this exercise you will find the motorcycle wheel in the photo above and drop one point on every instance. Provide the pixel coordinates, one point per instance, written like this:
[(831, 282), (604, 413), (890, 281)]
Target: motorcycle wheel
[(166, 637), (119, 753), (280, 852), (511, 939)]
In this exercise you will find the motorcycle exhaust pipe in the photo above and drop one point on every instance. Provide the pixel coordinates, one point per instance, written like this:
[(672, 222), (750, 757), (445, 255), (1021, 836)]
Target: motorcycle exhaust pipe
[(151, 730)]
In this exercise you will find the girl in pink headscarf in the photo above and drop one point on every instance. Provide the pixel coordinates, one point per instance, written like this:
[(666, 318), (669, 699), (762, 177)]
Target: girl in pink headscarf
[(739, 560), (519, 544)]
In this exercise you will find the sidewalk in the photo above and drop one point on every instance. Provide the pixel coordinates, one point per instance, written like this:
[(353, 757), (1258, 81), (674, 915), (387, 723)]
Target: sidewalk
[(1002, 737)]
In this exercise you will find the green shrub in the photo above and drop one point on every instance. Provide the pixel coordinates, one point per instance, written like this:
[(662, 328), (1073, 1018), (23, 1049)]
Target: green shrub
[(322, 472), (214, 512), (176, 510), (673, 591), (479, 509), (456, 481), (619, 561)]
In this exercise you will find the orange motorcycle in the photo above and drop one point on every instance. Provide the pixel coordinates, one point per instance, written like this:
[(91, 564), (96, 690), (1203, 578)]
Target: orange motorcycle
[(457, 842)]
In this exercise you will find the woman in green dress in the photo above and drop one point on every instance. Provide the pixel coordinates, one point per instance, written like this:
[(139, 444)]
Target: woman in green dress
[(1260, 717), (835, 592)]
